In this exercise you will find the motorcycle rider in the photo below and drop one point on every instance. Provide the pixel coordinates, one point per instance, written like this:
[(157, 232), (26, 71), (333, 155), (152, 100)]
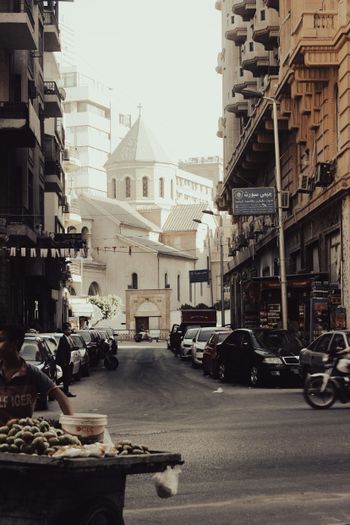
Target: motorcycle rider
[(343, 363)]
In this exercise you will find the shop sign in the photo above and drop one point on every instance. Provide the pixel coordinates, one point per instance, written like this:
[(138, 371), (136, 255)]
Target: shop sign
[(69, 240), (253, 201), (199, 276)]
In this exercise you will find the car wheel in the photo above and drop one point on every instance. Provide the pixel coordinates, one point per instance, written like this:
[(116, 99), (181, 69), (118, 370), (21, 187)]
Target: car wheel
[(222, 371), (255, 376)]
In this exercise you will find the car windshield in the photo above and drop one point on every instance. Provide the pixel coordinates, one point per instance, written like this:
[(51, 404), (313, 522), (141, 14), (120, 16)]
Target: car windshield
[(278, 341), (190, 333), (30, 352), (77, 341), (205, 334)]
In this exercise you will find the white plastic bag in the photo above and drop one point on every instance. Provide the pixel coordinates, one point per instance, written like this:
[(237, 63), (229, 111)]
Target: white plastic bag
[(167, 482)]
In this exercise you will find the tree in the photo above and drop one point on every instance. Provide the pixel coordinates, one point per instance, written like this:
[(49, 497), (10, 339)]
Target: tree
[(109, 305)]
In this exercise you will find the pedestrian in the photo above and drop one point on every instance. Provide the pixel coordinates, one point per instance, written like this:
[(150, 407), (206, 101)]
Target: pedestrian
[(63, 357), (21, 382)]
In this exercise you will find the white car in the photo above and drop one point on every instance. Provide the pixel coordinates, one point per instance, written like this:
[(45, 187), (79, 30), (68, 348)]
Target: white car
[(199, 343), (186, 343)]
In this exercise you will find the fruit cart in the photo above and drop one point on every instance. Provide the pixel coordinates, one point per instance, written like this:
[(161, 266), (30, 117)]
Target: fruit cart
[(41, 490)]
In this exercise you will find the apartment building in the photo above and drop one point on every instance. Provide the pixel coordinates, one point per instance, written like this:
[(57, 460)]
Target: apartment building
[(33, 245), (297, 53)]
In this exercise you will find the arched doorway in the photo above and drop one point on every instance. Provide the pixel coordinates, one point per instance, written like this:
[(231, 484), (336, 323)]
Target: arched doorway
[(147, 317)]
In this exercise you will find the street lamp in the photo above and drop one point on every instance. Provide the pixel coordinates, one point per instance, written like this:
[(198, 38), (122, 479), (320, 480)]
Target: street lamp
[(278, 180), (209, 212), (209, 259)]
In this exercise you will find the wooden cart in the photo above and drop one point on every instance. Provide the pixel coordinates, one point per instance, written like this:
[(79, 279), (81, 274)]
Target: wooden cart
[(38, 490)]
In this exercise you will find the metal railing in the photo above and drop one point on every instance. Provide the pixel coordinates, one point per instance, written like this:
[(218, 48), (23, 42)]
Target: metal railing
[(50, 18), (13, 109), (17, 215), (50, 88), (18, 6)]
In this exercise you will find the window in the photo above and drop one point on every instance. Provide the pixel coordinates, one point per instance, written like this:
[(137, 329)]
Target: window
[(114, 188), (178, 288), (166, 284), (144, 187), (134, 281), (94, 289), (127, 187), (161, 187), (323, 343), (251, 46), (262, 14)]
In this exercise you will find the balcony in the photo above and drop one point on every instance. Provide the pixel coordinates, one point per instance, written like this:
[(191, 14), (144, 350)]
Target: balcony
[(244, 8), (237, 105), (257, 60), (60, 132), (237, 33), (244, 80), (53, 166), (51, 31), (19, 125), (19, 225), (52, 100), (17, 25), (315, 30), (266, 28)]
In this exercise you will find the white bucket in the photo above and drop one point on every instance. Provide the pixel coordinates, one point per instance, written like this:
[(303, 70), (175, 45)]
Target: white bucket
[(89, 428)]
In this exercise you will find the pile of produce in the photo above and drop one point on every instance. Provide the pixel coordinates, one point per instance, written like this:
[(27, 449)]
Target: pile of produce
[(33, 436), (100, 450), (124, 448)]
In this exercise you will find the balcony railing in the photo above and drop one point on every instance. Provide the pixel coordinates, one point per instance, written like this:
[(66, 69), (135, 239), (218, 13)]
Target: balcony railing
[(50, 88), (313, 28), (266, 28), (18, 6), (17, 24), (19, 124), (50, 18), (244, 8), (17, 215)]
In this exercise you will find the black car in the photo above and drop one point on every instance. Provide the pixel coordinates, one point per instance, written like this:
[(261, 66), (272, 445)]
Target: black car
[(259, 356), (312, 357), (35, 351)]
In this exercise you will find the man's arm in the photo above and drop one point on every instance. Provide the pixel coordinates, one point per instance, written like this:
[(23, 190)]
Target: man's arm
[(63, 401)]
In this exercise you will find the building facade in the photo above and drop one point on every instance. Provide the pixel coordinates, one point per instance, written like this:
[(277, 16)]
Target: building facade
[(297, 53), (32, 200)]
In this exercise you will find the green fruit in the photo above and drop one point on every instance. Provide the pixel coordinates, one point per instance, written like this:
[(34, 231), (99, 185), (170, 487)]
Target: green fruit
[(27, 436), (4, 430), (54, 441), (27, 448), (4, 447), (13, 449), (10, 440), (18, 442)]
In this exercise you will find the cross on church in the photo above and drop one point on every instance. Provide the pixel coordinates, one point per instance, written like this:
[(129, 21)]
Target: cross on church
[(139, 107)]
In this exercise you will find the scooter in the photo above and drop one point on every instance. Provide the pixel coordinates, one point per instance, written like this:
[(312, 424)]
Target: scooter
[(142, 336), (321, 390), (107, 353)]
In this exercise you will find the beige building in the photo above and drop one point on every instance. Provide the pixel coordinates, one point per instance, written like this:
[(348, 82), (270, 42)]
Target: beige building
[(296, 52)]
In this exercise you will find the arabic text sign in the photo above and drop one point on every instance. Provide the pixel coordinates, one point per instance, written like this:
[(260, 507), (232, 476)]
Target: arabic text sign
[(253, 201)]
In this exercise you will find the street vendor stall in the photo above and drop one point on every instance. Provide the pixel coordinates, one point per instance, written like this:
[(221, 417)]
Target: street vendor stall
[(40, 490), (54, 474)]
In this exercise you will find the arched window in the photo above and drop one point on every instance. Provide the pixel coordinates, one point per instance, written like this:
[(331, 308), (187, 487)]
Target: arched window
[(127, 187), (144, 187), (114, 189), (178, 288), (161, 187), (134, 281), (172, 189), (94, 289), (71, 229)]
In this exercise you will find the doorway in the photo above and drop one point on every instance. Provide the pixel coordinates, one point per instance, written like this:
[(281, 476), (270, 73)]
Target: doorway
[(141, 324)]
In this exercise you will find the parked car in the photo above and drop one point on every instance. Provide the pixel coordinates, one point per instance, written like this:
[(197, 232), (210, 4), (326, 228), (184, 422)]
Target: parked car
[(186, 343), (311, 357), (74, 358), (259, 356), (199, 342), (36, 352), (211, 352), (91, 342), (84, 355)]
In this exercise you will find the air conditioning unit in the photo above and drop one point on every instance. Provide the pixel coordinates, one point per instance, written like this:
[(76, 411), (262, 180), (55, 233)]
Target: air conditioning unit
[(65, 154), (32, 90), (305, 184), (285, 200), (324, 175)]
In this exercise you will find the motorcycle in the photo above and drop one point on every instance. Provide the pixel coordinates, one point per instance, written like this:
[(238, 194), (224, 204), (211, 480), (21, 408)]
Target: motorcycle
[(142, 336), (108, 354), (321, 390)]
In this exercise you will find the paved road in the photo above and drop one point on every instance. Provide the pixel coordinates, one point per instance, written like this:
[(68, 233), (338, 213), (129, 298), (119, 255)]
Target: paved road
[(252, 457)]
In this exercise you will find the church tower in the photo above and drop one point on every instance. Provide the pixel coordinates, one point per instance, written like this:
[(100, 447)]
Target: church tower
[(141, 173)]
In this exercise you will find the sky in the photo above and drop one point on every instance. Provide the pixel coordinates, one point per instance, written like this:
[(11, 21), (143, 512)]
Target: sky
[(161, 54)]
